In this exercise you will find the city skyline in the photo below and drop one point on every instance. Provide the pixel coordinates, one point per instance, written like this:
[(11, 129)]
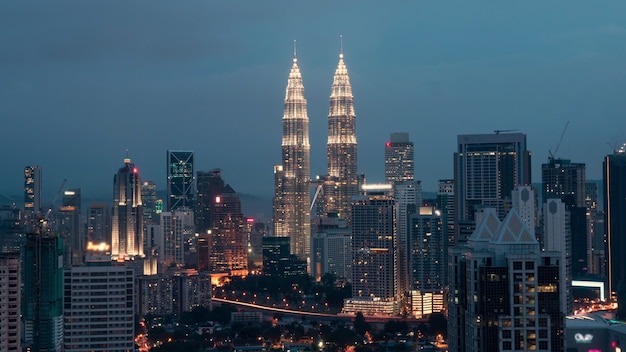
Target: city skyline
[(89, 86)]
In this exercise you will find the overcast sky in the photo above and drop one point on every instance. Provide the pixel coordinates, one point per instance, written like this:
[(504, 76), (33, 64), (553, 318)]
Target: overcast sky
[(82, 81)]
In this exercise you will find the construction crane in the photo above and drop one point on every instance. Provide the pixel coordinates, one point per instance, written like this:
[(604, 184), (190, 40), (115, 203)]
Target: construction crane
[(499, 131), (553, 155), (54, 199), (318, 190)]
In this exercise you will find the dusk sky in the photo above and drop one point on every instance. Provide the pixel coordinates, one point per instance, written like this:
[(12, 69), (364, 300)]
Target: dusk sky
[(82, 81)]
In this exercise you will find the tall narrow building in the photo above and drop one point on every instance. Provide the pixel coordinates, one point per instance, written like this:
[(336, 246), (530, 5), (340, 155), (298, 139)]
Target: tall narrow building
[(32, 188), (342, 145), (127, 218), (180, 179), (615, 209), (292, 194)]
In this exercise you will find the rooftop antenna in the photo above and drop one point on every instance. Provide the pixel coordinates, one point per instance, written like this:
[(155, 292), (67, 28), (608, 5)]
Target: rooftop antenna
[(294, 51), (126, 159), (341, 46)]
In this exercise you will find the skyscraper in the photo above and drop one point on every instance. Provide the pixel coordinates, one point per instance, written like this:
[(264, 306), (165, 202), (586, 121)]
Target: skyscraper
[(127, 217), (292, 194), (210, 185), (227, 241), (32, 188), (42, 296), (342, 145), (486, 169), (614, 167), (505, 291), (399, 160), (374, 257), (99, 224), (180, 179), (564, 180), (149, 200)]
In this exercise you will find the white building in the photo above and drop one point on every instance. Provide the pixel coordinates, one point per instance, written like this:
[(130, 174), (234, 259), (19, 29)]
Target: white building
[(99, 307)]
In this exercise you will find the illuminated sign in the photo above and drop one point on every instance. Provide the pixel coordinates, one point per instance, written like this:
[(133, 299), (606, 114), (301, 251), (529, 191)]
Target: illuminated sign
[(580, 338), (97, 247)]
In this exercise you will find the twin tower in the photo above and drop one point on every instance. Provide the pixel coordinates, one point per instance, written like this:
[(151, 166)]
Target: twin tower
[(292, 178)]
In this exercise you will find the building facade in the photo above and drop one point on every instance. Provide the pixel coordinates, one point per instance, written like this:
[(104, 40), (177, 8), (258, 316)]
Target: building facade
[(487, 167), (342, 143), (399, 159), (614, 172), (99, 307), (331, 248), (10, 310), (292, 197), (375, 261), (504, 290), (180, 179), (42, 292), (127, 218), (32, 188)]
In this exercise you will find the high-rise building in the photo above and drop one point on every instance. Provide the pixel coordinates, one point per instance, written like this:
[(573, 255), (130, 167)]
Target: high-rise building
[(408, 198), (342, 144), (180, 179), (99, 224), (614, 167), (374, 257), (42, 292), (486, 169), (32, 188), (504, 290), (427, 262), (149, 201), (127, 217), (292, 197), (227, 240), (10, 310), (427, 242), (222, 239), (99, 307), (331, 248), (558, 238), (210, 185), (175, 228), (399, 160), (564, 180)]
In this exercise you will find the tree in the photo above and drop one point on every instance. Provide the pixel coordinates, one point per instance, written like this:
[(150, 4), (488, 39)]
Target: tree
[(438, 324), (360, 325)]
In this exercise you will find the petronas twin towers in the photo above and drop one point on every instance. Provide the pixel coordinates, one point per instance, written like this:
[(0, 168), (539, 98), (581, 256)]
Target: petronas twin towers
[(292, 179)]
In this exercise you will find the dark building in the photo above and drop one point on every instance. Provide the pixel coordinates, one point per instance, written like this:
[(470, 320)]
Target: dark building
[(487, 167), (277, 260), (505, 292), (210, 185), (42, 293), (614, 168), (180, 179), (222, 241), (564, 180)]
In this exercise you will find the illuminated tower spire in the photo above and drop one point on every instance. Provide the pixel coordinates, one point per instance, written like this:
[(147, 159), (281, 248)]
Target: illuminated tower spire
[(342, 146), (291, 201)]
